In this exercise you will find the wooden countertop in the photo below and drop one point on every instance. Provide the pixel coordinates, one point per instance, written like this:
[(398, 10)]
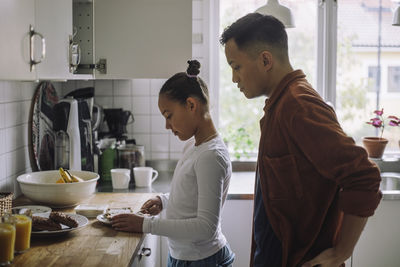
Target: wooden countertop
[(96, 244)]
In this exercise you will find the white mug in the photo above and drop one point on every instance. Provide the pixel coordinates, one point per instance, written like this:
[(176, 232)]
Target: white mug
[(144, 176), (120, 178)]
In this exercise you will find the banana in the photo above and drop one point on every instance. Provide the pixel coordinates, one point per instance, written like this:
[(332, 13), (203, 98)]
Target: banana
[(74, 178), (65, 176), (60, 181)]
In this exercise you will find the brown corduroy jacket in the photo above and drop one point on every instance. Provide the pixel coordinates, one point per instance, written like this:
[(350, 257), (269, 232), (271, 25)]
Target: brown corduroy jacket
[(311, 172)]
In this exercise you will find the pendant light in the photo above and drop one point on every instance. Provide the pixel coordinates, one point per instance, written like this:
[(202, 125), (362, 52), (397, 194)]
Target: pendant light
[(396, 17), (280, 12)]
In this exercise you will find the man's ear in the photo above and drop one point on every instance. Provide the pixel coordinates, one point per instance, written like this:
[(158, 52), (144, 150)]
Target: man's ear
[(266, 59)]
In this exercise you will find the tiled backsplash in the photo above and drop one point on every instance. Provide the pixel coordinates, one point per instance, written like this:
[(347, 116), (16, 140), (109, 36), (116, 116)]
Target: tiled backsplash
[(139, 95), (15, 105)]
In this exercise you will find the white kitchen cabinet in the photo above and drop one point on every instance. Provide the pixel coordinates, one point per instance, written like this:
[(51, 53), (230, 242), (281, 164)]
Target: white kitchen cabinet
[(136, 38), (379, 244), (15, 18), (236, 226), (53, 19), (50, 18), (149, 252)]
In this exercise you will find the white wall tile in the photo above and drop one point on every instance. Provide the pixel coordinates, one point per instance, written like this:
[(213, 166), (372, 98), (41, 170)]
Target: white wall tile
[(159, 143), (140, 87), (25, 109), (12, 91), (197, 50), (144, 140), (154, 110), (175, 155), (2, 142), (158, 124), (2, 92), (13, 114), (104, 101), (141, 124), (197, 26), (103, 88), (197, 10), (14, 137), (141, 105), (2, 116), (122, 87), (159, 155), (156, 85), (27, 90), (176, 145), (123, 102), (15, 162)]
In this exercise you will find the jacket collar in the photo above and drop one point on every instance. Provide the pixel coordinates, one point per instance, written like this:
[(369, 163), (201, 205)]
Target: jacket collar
[(282, 86)]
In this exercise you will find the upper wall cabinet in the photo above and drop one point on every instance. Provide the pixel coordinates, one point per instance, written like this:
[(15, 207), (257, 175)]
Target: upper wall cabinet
[(53, 18), (16, 17), (125, 39), (34, 41)]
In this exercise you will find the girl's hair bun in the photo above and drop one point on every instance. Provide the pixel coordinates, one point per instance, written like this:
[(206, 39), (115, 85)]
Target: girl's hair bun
[(193, 68)]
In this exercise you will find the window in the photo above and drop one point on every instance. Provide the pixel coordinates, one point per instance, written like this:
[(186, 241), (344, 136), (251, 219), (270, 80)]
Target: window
[(366, 42), (372, 78), (239, 117), (394, 79)]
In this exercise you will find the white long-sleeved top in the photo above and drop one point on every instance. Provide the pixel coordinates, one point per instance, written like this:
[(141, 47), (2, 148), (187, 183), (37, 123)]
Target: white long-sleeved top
[(193, 207)]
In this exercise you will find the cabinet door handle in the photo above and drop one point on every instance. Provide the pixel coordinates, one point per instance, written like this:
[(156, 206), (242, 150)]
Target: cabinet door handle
[(32, 34), (145, 252)]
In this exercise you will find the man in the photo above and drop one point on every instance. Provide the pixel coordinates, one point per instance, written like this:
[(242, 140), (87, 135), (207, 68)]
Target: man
[(314, 187)]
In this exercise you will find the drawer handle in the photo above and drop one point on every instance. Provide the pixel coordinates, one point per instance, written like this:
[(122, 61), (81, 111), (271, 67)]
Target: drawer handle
[(145, 252)]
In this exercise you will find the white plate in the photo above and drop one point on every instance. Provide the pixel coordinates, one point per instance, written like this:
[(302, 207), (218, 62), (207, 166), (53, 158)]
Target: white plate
[(34, 208), (81, 220), (102, 218)]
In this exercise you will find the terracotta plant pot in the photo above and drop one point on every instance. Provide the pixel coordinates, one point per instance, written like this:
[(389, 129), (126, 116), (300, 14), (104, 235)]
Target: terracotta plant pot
[(375, 146)]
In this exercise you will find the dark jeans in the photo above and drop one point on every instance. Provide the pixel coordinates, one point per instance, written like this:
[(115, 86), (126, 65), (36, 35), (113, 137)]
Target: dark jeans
[(223, 258)]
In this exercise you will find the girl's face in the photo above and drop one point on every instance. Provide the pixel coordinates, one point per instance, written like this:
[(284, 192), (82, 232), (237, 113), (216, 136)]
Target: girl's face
[(179, 118)]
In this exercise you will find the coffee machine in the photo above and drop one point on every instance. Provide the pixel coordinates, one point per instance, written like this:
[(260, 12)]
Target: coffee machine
[(73, 129), (117, 119)]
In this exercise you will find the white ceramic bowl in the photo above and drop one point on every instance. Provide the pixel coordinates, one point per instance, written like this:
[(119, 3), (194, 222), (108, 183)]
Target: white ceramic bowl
[(41, 187)]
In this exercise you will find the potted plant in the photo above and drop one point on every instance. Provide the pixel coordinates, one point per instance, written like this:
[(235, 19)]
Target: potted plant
[(375, 146), (394, 121)]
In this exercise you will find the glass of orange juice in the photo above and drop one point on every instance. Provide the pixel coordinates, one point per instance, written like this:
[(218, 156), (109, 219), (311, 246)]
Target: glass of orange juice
[(23, 229), (7, 241)]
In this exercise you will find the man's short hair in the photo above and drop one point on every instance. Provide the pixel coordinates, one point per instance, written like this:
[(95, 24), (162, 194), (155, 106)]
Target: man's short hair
[(254, 33)]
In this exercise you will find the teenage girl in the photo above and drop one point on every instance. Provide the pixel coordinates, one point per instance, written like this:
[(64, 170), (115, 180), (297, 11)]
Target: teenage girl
[(200, 183)]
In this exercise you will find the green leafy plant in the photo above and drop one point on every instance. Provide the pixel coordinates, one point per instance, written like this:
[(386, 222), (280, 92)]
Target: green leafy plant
[(240, 141)]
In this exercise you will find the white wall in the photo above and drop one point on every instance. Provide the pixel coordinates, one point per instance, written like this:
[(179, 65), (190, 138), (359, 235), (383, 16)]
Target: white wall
[(15, 103)]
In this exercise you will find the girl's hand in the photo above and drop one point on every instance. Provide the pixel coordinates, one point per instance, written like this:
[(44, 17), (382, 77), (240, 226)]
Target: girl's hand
[(127, 222), (153, 206)]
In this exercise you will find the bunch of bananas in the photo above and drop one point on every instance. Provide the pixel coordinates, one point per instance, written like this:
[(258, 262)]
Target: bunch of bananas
[(67, 177)]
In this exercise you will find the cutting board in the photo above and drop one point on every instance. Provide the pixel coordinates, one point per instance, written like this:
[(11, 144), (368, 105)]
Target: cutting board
[(42, 137)]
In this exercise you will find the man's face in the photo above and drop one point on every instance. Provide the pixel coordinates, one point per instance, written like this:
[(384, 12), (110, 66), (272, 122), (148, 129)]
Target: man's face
[(248, 73)]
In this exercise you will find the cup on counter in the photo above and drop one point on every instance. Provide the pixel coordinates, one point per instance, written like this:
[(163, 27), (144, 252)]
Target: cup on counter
[(7, 241), (23, 229), (144, 176), (120, 178)]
